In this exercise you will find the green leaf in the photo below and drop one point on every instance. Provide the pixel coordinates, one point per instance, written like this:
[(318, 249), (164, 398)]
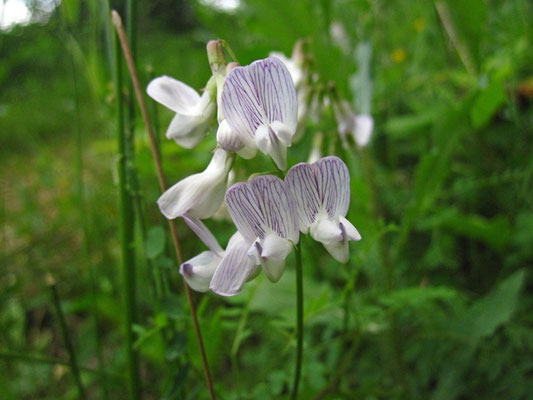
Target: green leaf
[(497, 307), (487, 104), (155, 242)]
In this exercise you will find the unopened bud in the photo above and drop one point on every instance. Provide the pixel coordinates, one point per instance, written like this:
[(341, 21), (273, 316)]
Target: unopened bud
[(215, 55)]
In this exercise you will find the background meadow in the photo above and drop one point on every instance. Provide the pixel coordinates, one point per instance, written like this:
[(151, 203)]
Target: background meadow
[(436, 301)]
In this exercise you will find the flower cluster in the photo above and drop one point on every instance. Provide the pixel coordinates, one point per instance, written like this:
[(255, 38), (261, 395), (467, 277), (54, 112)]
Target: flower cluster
[(257, 109)]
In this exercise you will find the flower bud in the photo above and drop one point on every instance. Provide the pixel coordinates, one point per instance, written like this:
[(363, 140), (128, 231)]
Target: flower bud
[(215, 55)]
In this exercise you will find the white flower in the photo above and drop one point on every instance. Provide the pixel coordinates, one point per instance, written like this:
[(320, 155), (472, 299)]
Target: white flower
[(360, 127), (260, 106), (362, 132), (264, 212), (322, 193), (193, 112), (199, 195), (293, 66)]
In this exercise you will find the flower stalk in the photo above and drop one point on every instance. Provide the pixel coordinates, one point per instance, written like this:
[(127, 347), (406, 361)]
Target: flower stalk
[(117, 22), (299, 320)]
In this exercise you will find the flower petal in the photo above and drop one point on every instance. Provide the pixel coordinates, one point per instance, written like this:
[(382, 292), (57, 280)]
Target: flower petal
[(198, 195), (261, 206), (204, 234), (273, 254), (302, 183), (173, 94), (351, 232), (364, 125), (269, 143), (235, 268), (189, 129), (259, 94), (199, 270), (333, 183), (228, 139)]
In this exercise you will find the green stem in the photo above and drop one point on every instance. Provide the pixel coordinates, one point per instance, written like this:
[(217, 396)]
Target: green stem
[(299, 321), (126, 231), (85, 228), (66, 337)]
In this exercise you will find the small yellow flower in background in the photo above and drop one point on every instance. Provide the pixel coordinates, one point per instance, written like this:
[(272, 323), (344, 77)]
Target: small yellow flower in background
[(398, 55), (419, 24)]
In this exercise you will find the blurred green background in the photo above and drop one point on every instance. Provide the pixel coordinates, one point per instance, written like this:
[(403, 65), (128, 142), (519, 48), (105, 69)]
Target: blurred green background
[(436, 302)]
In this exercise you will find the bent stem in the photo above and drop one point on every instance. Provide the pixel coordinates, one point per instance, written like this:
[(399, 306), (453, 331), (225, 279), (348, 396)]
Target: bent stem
[(117, 22), (299, 321)]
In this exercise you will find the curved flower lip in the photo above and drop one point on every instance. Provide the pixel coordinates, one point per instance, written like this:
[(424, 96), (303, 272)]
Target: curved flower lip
[(260, 106), (193, 112), (199, 195)]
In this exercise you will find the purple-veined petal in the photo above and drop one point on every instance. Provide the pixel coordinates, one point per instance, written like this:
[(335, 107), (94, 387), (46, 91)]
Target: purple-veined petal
[(199, 270), (235, 269), (259, 94), (302, 183), (262, 206), (333, 182), (173, 94), (322, 188), (204, 234)]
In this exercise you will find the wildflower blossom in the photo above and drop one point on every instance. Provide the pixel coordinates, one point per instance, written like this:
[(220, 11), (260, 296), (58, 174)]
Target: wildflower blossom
[(260, 106), (264, 212), (322, 194), (193, 112)]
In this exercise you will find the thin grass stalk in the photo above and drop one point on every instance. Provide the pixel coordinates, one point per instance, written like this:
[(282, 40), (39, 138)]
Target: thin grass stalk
[(82, 206), (299, 321), (126, 232), (66, 337), (117, 21)]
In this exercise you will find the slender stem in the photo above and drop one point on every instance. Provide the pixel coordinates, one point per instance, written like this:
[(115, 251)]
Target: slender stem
[(299, 321), (66, 337), (163, 186), (82, 204), (126, 233)]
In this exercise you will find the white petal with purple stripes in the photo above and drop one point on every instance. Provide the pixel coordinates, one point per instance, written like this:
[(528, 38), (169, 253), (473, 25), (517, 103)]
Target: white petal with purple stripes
[(235, 268)]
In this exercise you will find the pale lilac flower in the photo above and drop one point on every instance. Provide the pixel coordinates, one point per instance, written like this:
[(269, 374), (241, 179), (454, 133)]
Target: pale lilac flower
[(224, 272), (193, 112), (322, 193), (199, 195), (264, 212), (260, 106), (359, 127)]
